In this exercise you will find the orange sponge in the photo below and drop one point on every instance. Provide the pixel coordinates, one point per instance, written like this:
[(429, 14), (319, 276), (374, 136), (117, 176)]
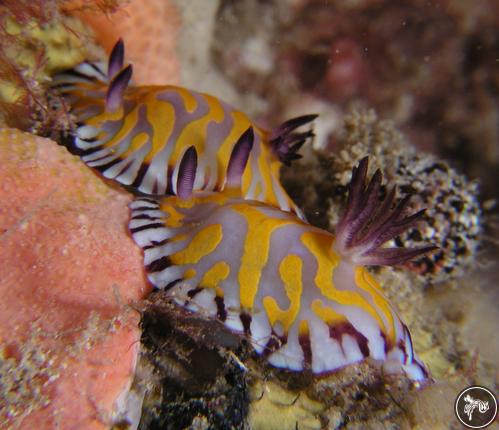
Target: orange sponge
[(68, 274), (150, 31)]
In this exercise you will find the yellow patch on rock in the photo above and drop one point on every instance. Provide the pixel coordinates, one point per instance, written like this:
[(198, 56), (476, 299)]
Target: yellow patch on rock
[(275, 408)]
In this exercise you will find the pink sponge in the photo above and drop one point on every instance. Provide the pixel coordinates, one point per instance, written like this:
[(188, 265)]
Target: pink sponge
[(68, 273)]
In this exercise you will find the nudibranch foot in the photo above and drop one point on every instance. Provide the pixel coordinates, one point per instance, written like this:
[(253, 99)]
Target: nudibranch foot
[(304, 303), (138, 135)]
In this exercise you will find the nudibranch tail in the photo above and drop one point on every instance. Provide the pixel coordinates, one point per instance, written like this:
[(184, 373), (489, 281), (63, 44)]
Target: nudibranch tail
[(286, 143), (367, 223)]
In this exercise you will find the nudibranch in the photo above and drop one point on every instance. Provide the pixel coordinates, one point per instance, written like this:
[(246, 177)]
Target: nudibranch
[(301, 295), (141, 135)]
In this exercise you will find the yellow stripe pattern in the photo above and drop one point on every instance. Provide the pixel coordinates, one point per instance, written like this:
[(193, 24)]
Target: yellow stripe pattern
[(157, 124), (279, 293)]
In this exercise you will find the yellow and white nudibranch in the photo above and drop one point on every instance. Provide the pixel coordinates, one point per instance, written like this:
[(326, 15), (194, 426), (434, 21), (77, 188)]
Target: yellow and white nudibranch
[(302, 296), (139, 135), (223, 238)]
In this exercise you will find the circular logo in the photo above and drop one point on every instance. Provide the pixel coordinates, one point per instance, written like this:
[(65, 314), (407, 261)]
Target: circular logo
[(476, 407)]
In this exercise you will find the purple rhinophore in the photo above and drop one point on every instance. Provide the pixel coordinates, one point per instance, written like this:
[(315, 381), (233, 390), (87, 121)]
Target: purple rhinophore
[(239, 158), (116, 59), (117, 87), (187, 173)]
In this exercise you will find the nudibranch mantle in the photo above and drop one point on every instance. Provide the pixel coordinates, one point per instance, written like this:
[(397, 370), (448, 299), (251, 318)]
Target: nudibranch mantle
[(302, 296), (139, 135)]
